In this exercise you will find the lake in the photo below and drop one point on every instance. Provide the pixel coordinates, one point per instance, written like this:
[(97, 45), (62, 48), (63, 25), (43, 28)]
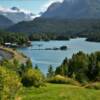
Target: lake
[(44, 58), (0, 57)]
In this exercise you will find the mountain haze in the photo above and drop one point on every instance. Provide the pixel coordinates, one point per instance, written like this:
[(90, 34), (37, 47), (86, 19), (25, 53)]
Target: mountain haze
[(76, 9), (70, 16), (16, 14), (5, 22)]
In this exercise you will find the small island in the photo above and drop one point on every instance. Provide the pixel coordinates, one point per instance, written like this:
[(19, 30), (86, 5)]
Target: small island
[(54, 48), (63, 48), (57, 48)]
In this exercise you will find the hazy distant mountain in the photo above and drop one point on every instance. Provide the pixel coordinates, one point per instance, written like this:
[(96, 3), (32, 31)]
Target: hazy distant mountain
[(5, 22), (58, 26), (16, 14), (70, 16), (74, 9)]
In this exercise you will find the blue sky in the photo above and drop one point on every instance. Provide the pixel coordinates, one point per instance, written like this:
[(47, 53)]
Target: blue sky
[(34, 6)]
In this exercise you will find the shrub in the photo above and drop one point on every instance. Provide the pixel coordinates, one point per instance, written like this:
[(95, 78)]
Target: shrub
[(9, 84), (82, 78), (63, 80), (93, 86), (32, 77)]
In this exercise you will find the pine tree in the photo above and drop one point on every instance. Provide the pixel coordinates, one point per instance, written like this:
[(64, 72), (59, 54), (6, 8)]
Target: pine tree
[(50, 72)]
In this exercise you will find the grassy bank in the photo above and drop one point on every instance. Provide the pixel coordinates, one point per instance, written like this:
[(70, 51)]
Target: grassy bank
[(59, 92)]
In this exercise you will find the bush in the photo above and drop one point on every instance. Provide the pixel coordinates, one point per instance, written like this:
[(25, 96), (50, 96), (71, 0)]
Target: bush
[(82, 78), (93, 86), (32, 77), (63, 80), (9, 84)]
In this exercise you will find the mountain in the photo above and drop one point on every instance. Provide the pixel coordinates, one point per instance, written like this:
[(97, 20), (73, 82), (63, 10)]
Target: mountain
[(73, 9), (70, 16), (5, 22), (58, 26), (16, 14)]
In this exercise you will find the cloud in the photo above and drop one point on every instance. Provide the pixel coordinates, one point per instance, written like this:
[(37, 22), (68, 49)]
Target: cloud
[(5, 11), (45, 6), (9, 10)]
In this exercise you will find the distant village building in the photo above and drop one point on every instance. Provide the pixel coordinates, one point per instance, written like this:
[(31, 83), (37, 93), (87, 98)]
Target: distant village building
[(8, 44)]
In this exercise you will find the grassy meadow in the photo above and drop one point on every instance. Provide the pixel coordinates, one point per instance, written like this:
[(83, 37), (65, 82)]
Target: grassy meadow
[(59, 92)]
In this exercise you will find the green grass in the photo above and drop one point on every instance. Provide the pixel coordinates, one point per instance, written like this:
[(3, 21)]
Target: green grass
[(59, 92)]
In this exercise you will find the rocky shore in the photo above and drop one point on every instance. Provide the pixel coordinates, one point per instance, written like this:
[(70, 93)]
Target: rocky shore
[(4, 54), (10, 54)]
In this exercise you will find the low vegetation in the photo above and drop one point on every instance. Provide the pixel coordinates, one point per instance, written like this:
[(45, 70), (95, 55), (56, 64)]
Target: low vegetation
[(14, 75), (77, 77), (32, 77), (58, 79), (59, 92), (93, 86), (81, 67)]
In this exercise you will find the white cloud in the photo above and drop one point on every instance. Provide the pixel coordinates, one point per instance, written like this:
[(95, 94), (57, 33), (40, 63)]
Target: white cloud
[(45, 6), (43, 9), (5, 11), (9, 10)]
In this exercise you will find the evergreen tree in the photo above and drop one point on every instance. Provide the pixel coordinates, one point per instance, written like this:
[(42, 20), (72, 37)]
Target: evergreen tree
[(50, 72)]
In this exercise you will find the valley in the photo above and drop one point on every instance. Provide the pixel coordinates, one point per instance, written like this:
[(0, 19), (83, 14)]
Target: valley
[(49, 49)]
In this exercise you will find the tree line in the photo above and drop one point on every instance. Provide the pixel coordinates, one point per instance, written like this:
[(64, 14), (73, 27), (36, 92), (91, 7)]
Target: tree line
[(79, 70), (81, 67), (18, 38)]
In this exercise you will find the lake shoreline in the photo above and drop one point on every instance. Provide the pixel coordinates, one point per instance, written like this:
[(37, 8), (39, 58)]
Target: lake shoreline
[(5, 54), (44, 58), (10, 54)]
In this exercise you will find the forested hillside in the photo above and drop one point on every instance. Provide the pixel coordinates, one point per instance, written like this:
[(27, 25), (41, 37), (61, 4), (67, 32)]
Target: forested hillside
[(45, 25), (10, 37)]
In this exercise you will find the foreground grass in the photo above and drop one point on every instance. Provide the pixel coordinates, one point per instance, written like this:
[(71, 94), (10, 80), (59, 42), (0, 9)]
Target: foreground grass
[(59, 92)]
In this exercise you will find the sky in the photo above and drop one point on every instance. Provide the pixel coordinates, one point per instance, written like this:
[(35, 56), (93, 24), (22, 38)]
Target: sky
[(34, 6)]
